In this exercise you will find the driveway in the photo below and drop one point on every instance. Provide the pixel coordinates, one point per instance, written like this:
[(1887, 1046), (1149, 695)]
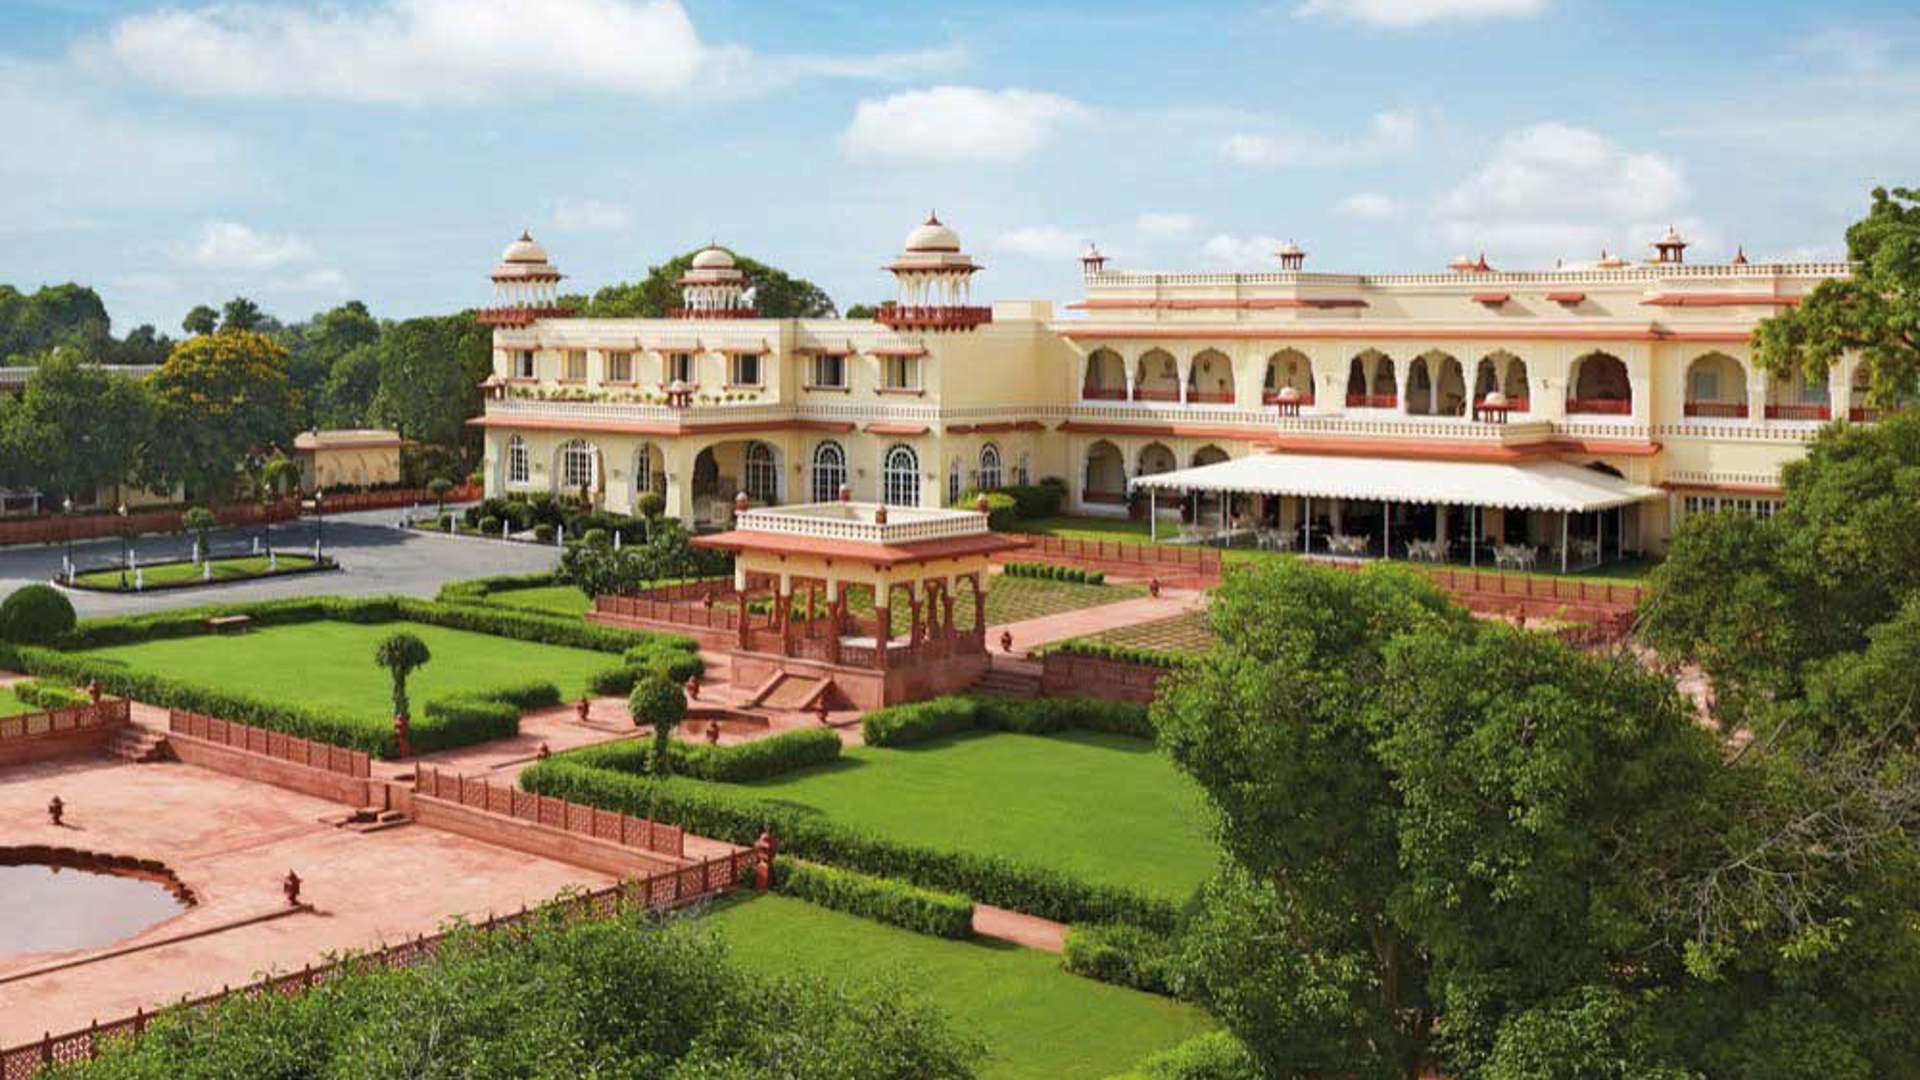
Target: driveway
[(374, 557)]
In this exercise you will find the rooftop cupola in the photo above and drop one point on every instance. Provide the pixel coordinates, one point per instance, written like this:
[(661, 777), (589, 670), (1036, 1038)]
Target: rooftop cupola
[(933, 279), (1670, 248), (1091, 261), (1291, 256), (1740, 256), (526, 285), (714, 288), (1610, 261)]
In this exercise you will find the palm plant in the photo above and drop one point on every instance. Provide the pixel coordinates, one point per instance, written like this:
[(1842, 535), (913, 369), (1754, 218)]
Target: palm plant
[(401, 653), (200, 520)]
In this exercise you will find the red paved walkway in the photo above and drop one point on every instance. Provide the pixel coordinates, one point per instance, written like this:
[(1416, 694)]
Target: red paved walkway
[(1030, 633)]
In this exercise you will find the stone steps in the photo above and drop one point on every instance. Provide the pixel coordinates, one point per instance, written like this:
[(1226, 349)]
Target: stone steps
[(137, 744), (1009, 683)]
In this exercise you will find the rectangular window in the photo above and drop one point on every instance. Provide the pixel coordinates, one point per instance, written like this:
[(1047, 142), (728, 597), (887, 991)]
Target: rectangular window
[(576, 370), (1706, 386), (523, 363), (680, 368), (745, 370), (620, 367), (902, 373), (830, 371)]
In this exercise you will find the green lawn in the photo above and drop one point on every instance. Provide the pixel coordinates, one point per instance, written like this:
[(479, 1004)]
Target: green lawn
[(233, 569), (330, 664), (1126, 530), (551, 599), (1188, 632), (1103, 808), (13, 706), (1037, 1020)]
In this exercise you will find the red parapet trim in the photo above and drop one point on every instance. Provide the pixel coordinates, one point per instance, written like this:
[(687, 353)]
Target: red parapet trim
[(1721, 300), (934, 317), (1103, 393), (1364, 332), (1143, 394), (1372, 401), (995, 427), (1799, 412), (1276, 304), (1210, 397), (1598, 407), (637, 427), (857, 551), (1723, 410), (519, 316)]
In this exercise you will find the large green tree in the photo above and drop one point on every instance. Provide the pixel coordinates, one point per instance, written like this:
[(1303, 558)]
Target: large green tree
[(1875, 313), (316, 347), (1452, 844), (57, 315), (430, 374), (80, 430), (201, 320), (777, 294), (221, 398)]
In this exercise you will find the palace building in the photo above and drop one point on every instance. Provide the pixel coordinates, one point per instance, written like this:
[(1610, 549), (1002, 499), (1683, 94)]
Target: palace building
[(1473, 413)]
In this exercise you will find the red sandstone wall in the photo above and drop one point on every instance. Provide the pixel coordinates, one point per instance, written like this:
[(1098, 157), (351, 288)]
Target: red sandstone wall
[(301, 778), (541, 840), (46, 746), (1065, 673)]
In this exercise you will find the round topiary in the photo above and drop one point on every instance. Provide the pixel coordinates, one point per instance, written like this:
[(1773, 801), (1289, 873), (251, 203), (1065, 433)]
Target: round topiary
[(35, 615), (489, 524), (656, 700), (650, 505), (543, 533), (597, 538)]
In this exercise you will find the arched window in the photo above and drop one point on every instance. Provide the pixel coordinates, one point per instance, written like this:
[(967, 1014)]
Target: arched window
[(519, 461), (900, 477), (763, 476), (989, 467), (953, 481), (646, 471), (829, 471), (1025, 473), (578, 465)]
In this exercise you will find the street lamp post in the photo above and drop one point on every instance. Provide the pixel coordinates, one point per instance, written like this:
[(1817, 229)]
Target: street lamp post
[(66, 505), (126, 543), (319, 523)]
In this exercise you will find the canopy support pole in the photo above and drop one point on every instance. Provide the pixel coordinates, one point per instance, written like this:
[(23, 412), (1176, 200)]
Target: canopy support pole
[(1306, 524), (1473, 537), (1153, 515), (1566, 519), (1386, 543)]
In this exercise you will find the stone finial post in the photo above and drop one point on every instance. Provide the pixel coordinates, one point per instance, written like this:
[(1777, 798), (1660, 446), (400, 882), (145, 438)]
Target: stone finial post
[(401, 727), (584, 708), (880, 514), (713, 733), (693, 687), (981, 505), (56, 808), (765, 847), (1006, 641), (291, 886), (1153, 588)]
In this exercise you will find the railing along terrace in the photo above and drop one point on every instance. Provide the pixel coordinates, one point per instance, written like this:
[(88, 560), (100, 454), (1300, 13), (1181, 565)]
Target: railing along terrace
[(1799, 412), (477, 793), (1186, 557), (1600, 406), (1722, 410), (662, 891), (832, 523), (290, 748), (1372, 401), (933, 316), (1624, 275), (105, 712), (1104, 393)]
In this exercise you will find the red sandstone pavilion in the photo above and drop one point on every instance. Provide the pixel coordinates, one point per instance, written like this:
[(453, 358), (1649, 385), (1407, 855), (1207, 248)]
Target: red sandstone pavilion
[(801, 575)]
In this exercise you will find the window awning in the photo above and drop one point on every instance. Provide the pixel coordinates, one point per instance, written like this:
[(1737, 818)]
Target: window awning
[(1537, 485)]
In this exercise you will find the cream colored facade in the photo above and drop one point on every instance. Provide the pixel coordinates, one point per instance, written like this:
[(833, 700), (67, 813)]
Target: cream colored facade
[(347, 457), (1642, 368)]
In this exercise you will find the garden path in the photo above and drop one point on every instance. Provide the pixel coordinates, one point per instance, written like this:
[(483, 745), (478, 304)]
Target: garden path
[(1031, 633)]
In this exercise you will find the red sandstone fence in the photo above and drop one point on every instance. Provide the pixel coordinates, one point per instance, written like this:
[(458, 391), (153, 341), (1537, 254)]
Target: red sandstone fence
[(664, 891), (106, 712), (349, 501), (315, 755), (578, 818), (1473, 584), (1065, 672), (57, 528), (700, 605), (1148, 558)]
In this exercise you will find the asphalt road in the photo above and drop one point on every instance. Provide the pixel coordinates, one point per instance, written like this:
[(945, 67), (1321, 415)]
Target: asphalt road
[(374, 556)]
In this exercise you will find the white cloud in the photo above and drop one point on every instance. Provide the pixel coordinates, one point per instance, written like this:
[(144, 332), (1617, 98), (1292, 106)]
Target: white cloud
[(1039, 242), (1239, 252), (70, 157), (591, 215), (460, 50), (1399, 14), (1367, 206), (1388, 133), (1553, 190), (229, 245), (1162, 223), (951, 124)]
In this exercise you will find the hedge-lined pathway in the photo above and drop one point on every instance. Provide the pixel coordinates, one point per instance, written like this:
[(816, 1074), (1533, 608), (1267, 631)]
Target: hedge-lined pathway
[(1031, 633), (1028, 931)]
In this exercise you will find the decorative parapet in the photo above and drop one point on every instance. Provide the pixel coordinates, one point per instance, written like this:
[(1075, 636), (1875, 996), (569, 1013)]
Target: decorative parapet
[(519, 316), (855, 522), (933, 317)]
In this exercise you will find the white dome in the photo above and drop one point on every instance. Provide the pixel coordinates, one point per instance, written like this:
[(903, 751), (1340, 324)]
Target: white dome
[(524, 250), (932, 236), (713, 258)]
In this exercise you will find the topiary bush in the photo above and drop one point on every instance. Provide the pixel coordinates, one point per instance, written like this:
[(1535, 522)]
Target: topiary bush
[(1053, 572), (543, 533), (46, 695), (924, 911), (901, 725), (489, 525), (36, 614), (1124, 955), (677, 659), (1217, 1055)]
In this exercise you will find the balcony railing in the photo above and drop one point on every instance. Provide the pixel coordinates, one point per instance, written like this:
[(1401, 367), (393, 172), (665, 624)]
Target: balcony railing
[(1600, 406), (1146, 393), (1860, 414), (1103, 393), (1799, 412), (933, 316), (713, 313), (1272, 397), (1718, 410), (1373, 401), (1210, 397), (1115, 498)]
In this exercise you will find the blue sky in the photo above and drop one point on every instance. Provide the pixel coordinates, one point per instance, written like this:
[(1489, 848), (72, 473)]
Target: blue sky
[(169, 154)]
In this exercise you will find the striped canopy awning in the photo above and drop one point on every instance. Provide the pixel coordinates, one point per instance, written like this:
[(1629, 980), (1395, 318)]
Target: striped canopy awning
[(1537, 485)]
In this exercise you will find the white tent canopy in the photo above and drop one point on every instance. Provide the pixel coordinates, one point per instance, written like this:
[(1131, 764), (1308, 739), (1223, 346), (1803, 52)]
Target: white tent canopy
[(1537, 485)]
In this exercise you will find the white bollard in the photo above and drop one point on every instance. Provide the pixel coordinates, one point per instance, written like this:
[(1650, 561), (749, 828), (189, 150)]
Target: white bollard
[(616, 539), (133, 558), (506, 529), (206, 570), (139, 580), (273, 560), (561, 534)]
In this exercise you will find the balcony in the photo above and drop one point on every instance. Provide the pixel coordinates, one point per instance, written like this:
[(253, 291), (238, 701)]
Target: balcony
[(1715, 410), (1103, 393), (1210, 397), (933, 316), (1599, 407), (1799, 412), (1373, 401), (713, 313)]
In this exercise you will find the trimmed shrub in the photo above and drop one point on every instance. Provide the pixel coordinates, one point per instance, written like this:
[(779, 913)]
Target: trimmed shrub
[(737, 816), (1052, 572), (924, 911), (657, 702), (1123, 654), (677, 659), (1124, 955), (597, 538), (524, 695), (46, 695), (36, 614), (488, 525), (462, 719), (903, 725), (740, 763), (1217, 1055), (543, 533), (611, 682)]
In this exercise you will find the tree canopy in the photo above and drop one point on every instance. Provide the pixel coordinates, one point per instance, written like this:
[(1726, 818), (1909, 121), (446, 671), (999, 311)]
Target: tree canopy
[(1452, 844), (75, 430), (56, 315), (777, 294), (430, 375), (1875, 313), (220, 399)]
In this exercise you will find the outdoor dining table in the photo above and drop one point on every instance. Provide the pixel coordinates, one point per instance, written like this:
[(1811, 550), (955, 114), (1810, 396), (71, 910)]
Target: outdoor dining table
[(1344, 544)]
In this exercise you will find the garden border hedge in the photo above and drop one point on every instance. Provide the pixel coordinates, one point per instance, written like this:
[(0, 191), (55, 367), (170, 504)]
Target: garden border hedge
[(759, 759), (904, 725), (933, 912)]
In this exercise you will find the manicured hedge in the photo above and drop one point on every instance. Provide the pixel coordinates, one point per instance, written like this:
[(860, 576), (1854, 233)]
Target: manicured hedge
[(35, 614), (463, 719), (1123, 954), (737, 764), (737, 816), (478, 590), (1125, 654), (45, 695), (903, 725), (616, 681), (1051, 572), (1217, 1055), (924, 911), (677, 658)]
